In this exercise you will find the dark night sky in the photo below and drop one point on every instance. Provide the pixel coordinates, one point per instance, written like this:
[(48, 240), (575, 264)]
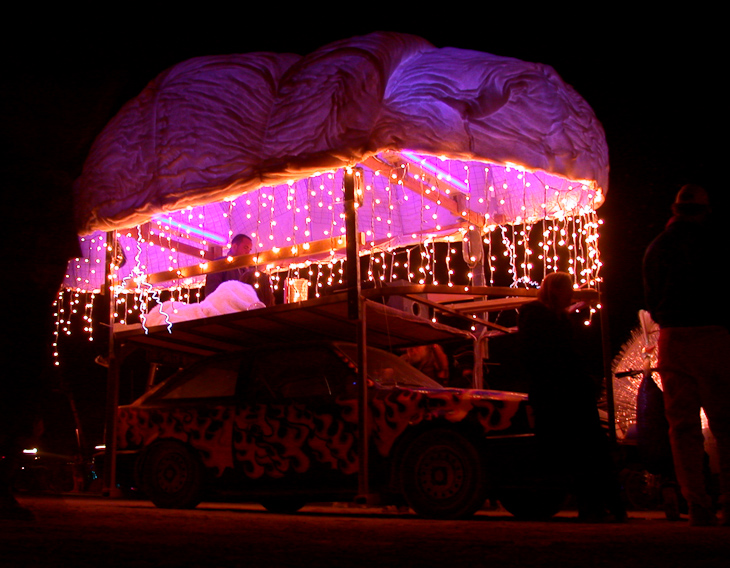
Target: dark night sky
[(653, 83)]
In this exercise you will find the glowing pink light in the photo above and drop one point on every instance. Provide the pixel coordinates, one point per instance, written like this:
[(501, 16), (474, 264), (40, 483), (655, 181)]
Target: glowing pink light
[(195, 230), (433, 169)]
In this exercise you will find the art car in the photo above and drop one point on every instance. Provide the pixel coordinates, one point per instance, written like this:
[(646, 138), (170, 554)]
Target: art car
[(278, 425)]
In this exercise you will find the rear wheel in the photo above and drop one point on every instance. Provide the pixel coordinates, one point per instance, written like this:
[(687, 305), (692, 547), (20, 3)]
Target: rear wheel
[(443, 475), (172, 476)]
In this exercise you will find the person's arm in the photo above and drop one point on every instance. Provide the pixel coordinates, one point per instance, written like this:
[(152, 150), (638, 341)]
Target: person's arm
[(260, 283), (212, 281)]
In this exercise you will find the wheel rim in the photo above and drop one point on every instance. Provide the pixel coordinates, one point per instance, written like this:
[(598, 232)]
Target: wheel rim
[(440, 473), (172, 473)]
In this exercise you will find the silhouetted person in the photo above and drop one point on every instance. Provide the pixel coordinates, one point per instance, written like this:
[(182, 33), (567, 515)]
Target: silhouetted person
[(562, 396), (652, 442), (430, 360), (694, 345)]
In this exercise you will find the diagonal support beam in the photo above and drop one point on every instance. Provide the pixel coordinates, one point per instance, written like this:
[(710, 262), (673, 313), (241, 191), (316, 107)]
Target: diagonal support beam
[(438, 195)]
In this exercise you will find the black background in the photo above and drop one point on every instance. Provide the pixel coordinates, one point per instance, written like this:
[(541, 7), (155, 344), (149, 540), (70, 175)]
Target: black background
[(654, 81)]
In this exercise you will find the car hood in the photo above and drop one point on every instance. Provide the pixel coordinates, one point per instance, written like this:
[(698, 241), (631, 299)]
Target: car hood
[(394, 410)]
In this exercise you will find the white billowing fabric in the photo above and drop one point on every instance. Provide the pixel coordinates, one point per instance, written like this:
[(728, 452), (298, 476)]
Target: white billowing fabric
[(216, 127), (229, 297)]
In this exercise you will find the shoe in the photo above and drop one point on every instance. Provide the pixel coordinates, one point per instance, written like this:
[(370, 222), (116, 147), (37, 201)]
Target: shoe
[(670, 502), (700, 516)]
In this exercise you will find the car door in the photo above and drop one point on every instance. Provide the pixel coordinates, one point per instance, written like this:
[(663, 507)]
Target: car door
[(196, 407), (296, 424)]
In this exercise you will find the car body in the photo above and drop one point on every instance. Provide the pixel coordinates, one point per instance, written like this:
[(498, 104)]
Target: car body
[(279, 425)]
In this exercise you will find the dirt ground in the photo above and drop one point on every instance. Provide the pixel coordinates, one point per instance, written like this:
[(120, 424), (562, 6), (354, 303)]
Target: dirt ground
[(76, 530)]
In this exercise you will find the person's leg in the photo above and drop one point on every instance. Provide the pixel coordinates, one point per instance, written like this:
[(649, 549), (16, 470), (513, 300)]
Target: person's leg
[(715, 398), (682, 406)]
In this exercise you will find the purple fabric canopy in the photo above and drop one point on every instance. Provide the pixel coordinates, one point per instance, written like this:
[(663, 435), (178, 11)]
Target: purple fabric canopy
[(214, 128)]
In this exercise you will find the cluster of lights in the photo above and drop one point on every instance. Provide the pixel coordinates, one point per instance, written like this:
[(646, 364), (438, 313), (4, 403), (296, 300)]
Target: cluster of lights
[(69, 305), (530, 251), (414, 212)]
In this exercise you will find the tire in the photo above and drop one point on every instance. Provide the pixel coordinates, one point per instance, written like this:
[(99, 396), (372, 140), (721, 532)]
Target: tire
[(283, 505), (533, 504), (639, 490), (172, 476), (443, 475)]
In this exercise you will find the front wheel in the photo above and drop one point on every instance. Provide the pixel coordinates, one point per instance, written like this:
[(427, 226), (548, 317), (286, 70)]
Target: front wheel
[(172, 476), (443, 475)]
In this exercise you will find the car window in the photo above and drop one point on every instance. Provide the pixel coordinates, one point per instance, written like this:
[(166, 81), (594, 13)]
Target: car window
[(388, 370), (301, 372), (212, 379)]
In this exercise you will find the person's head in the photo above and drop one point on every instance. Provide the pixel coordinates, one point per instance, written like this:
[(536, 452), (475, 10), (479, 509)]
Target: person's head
[(691, 200), (556, 291), (241, 244)]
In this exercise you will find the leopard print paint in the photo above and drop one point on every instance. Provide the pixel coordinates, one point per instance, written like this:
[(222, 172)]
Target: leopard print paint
[(401, 408), (207, 429), (273, 440)]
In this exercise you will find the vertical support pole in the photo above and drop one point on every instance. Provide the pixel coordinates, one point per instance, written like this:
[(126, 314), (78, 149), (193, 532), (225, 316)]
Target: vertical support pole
[(362, 408), (352, 247), (151, 375), (355, 313), (112, 386), (478, 371)]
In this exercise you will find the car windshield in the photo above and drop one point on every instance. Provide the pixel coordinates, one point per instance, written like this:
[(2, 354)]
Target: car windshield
[(388, 370)]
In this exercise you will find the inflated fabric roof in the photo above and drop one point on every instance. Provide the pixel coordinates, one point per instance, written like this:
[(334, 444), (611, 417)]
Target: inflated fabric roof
[(216, 127), (254, 143)]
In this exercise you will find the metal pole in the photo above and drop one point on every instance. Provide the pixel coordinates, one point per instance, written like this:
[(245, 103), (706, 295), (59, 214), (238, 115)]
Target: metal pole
[(356, 313), (363, 414), (112, 386), (352, 248)]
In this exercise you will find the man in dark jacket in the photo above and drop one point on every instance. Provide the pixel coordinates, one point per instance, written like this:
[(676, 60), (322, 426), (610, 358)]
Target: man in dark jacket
[(240, 245), (694, 345)]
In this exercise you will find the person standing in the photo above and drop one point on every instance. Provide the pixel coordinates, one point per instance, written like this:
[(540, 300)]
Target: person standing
[(562, 396), (694, 346)]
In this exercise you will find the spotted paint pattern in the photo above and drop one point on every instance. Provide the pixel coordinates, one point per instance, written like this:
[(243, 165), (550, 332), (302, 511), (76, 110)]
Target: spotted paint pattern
[(393, 413), (208, 429), (273, 440)]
